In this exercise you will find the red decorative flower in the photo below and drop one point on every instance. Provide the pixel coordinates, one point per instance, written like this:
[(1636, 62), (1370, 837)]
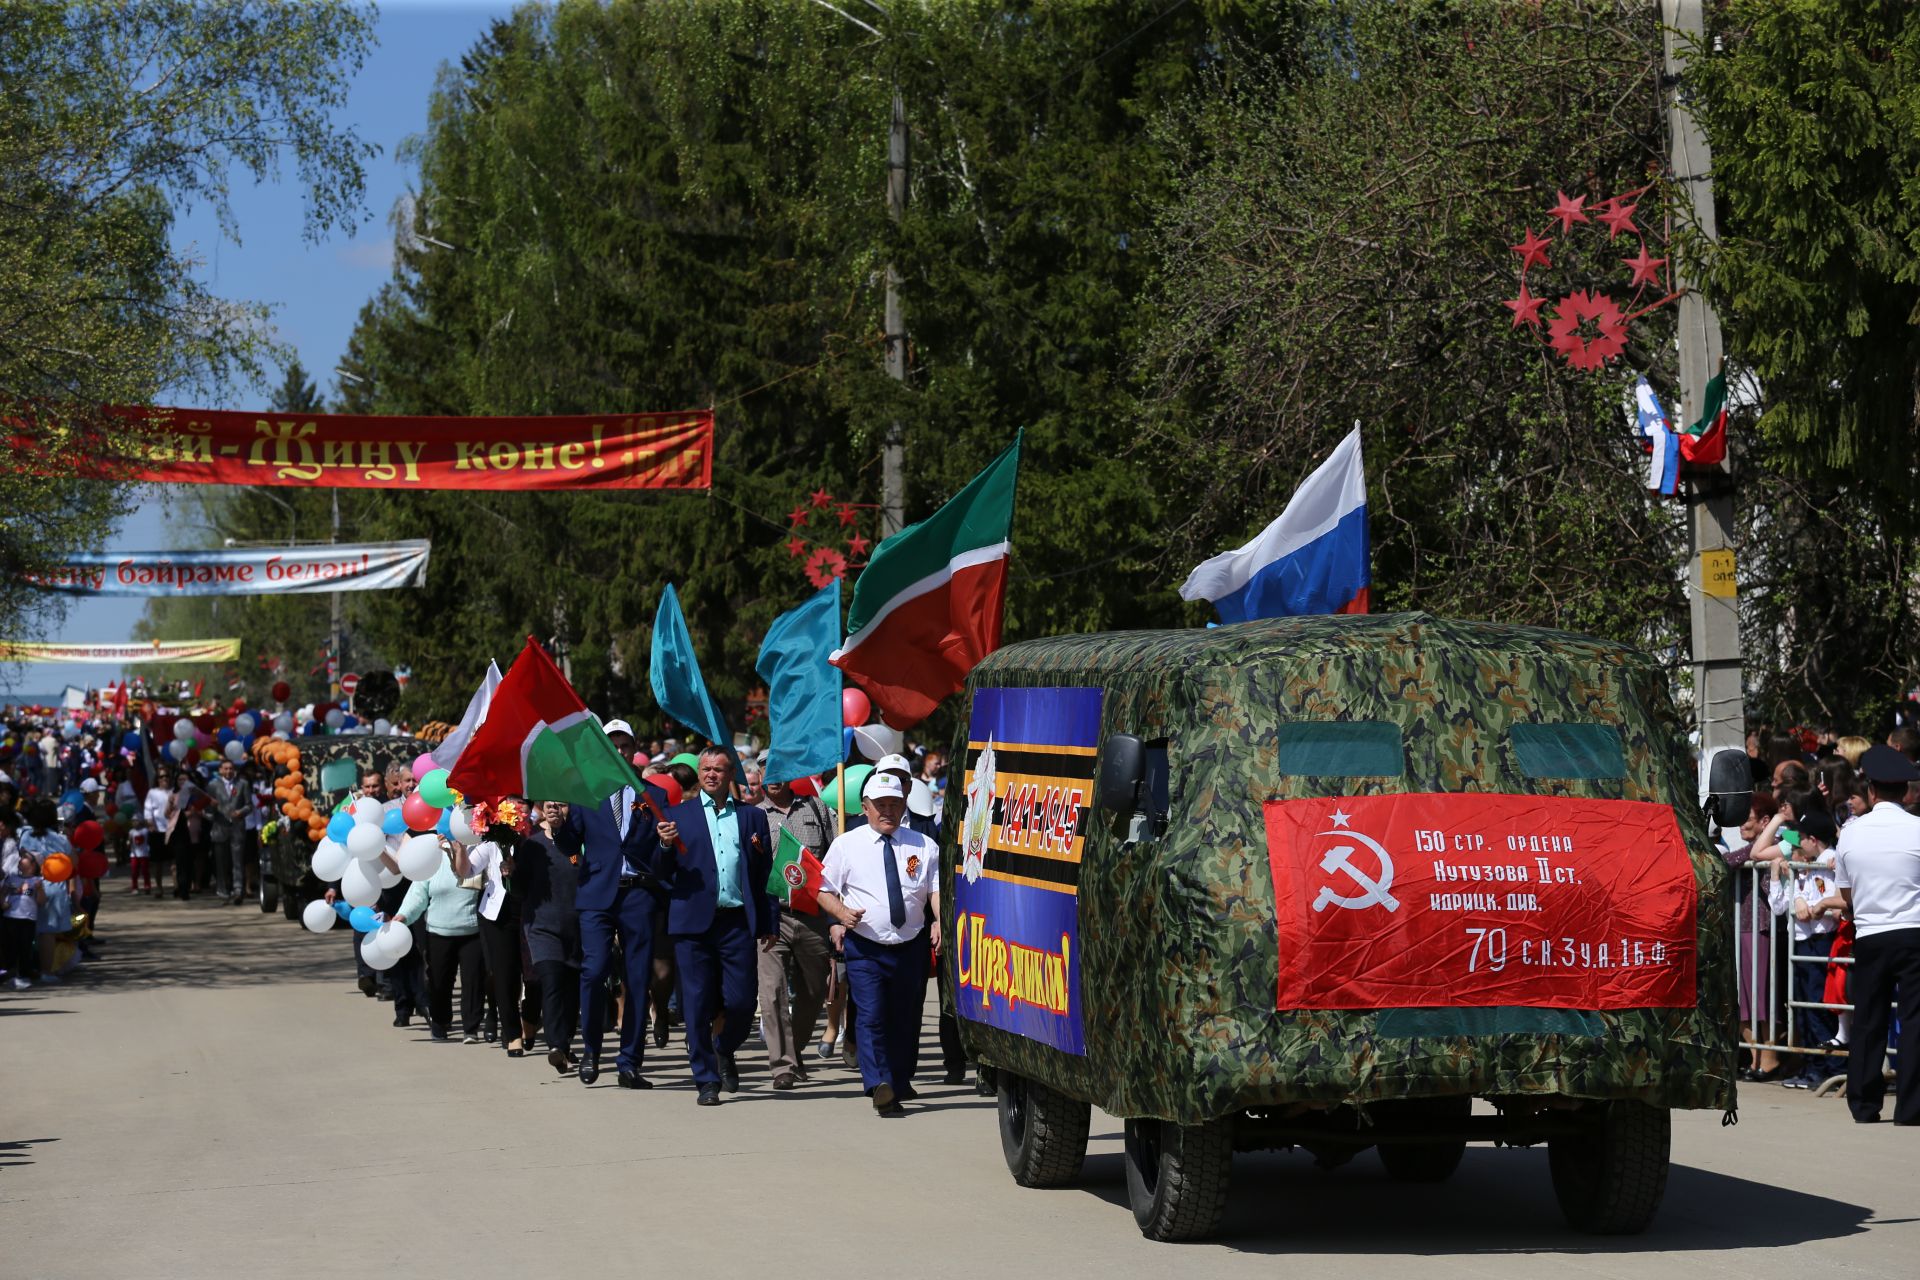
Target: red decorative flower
[(1608, 330), (824, 565)]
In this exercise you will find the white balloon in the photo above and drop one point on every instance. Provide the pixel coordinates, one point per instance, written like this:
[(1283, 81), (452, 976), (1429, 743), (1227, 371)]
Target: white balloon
[(376, 957), (335, 717), (330, 860), (318, 916), (283, 723), (420, 857), (383, 727), (366, 842), (359, 885), (367, 809), (388, 879), (281, 735), (236, 752), (179, 748), (244, 724), (395, 939), (303, 715), (183, 729), (461, 825), (70, 730)]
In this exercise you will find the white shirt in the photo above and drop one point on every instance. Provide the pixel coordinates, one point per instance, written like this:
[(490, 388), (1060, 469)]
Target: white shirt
[(1810, 887), (1879, 859), (156, 813), (853, 870), (484, 858)]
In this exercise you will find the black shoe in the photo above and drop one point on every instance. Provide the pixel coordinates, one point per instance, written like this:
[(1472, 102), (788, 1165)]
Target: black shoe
[(634, 1080), (892, 1111), (709, 1096), (438, 1033), (956, 1076), (557, 1059), (883, 1097), (660, 1033), (368, 984), (401, 1019), (385, 997), (906, 1093), (729, 1074), (589, 1071)]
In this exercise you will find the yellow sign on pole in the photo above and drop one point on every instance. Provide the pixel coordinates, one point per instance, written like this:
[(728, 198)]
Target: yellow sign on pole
[(1717, 576)]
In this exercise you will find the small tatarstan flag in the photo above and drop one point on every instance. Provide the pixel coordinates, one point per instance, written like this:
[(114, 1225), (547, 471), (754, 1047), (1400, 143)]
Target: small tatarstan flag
[(796, 875)]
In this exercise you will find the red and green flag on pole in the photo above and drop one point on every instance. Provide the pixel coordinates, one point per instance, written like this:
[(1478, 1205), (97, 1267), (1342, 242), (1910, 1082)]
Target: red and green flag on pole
[(929, 604), (540, 741), (795, 880), (1705, 442)]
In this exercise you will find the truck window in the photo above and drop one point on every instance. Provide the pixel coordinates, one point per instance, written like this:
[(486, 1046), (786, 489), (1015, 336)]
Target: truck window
[(1589, 752), (1341, 749)]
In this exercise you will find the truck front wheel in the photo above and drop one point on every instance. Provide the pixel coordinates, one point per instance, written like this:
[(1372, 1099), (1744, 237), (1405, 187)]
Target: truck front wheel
[(1609, 1180), (1177, 1177), (1042, 1131)]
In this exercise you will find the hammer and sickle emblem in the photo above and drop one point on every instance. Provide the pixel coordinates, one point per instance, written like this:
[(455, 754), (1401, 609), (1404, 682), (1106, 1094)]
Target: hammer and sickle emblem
[(1373, 892)]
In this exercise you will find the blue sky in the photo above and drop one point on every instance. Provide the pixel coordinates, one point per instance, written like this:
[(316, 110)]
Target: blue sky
[(316, 289)]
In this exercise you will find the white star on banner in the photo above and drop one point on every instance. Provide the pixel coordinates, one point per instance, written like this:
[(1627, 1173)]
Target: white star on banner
[(1339, 818)]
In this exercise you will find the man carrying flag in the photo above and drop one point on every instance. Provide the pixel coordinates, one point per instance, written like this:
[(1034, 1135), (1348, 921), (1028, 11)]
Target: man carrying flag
[(1314, 558), (801, 958)]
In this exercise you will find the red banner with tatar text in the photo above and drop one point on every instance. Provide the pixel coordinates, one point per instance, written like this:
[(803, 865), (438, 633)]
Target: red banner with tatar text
[(1422, 901), (584, 451)]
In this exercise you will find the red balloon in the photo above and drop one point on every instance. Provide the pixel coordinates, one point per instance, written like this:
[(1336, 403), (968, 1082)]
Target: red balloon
[(93, 864), (282, 691), (418, 814), (88, 835), (854, 708)]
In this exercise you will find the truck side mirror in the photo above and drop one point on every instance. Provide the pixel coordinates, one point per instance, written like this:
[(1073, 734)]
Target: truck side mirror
[(1118, 785), (1727, 796)]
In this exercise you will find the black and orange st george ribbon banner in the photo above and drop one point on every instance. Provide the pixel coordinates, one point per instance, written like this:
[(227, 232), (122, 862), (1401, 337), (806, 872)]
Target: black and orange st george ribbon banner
[(583, 451)]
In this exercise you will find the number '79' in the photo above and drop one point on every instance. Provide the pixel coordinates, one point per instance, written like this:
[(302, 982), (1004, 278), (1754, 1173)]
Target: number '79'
[(1495, 941)]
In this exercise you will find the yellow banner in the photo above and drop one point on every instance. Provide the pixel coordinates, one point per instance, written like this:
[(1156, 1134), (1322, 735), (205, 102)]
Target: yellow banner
[(125, 654)]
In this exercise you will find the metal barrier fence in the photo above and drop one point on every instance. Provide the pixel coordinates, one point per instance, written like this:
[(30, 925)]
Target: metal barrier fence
[(1777, 1013)]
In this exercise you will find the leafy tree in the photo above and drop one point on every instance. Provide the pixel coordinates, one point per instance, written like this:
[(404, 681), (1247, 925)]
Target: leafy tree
[(112, 117)]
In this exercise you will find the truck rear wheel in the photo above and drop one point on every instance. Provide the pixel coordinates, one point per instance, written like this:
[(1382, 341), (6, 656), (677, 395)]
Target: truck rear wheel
[(1177, 1177), (269, 895), (1609, 1181), (1426, 1161), (1042, 1131)]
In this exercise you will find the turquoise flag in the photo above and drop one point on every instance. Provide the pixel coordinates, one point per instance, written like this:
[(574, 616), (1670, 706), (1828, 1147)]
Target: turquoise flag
[(677, 683), (803, 688)]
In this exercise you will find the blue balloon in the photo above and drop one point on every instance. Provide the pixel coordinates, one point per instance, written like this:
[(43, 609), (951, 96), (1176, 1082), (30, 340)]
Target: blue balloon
[(361, 918), (131, 743), (349, 722), (846, 742), (338, 826), (445, 825), (314, 728), (341, 908), (74, 798), (393, 824), (224, 735)]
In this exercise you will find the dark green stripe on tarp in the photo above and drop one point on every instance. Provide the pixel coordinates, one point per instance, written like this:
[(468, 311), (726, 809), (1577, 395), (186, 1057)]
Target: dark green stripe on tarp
[(1590, 751), (1501, 1020), (1341, 749)]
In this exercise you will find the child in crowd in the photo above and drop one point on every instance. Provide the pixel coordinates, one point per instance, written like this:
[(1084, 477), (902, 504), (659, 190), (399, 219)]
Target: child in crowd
[(55, 919), (24, 892), (139, 863), (1807, 892)]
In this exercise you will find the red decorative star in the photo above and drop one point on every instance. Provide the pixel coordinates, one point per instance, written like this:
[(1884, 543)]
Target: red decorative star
[(821, 499), (797, 516), (1645, 267), (1525, 308), (1617, 214), (847, 516), (1610, 330), (1532, 251), (1567, 211), (824, 565), (796, 547), (857, 545)]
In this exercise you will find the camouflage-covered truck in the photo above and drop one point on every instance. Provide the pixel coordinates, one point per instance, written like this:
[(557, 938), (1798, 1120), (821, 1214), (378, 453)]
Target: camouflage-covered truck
[(333, 765), (1326, 883)]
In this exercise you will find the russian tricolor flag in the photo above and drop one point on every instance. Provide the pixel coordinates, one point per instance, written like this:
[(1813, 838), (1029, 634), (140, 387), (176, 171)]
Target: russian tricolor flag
[(1316, 558), (1650, 420)]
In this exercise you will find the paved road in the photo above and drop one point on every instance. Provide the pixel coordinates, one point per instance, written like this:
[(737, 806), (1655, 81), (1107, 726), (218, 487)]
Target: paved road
[(216, 1099)]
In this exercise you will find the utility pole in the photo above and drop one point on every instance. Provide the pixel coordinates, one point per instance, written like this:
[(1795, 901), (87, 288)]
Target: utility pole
[(893, 456), (1718, 693), (336, 661)]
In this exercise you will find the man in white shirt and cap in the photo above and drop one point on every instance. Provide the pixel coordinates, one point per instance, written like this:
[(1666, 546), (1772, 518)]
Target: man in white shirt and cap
[(1877, 870), (881, 884)]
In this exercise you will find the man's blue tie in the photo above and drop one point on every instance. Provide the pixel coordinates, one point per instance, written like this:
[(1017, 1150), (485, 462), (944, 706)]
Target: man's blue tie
[(896, 901)]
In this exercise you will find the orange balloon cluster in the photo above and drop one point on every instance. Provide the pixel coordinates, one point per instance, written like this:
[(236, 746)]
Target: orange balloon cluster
[(290, 786)]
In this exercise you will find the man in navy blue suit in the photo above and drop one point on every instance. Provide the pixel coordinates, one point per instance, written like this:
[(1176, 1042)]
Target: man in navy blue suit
[(717, 905), (618, 848)]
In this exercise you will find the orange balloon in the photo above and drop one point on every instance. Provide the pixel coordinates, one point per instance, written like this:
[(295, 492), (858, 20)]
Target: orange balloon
[(57, 867)]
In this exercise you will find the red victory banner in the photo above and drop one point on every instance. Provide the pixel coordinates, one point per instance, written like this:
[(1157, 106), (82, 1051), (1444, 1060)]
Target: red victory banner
[(1421, 901), (586, 451)]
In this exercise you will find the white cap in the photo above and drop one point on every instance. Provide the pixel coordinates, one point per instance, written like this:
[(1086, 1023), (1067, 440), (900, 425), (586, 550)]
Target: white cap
[(612, 727), (882, 784), (89, 784), (894, 764)]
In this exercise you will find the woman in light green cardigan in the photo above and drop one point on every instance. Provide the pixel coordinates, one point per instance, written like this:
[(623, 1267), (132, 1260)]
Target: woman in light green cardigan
[(453, 942)]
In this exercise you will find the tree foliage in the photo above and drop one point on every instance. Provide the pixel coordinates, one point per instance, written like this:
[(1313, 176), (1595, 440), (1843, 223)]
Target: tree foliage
[(112, 118)]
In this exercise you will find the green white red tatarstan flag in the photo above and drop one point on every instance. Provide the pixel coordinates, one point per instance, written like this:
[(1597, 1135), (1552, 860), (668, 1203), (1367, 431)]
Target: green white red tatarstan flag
[(539, 741), (796, 875), (929, 604)]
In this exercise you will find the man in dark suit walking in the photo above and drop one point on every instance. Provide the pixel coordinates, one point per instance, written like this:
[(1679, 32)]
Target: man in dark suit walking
[(617, 847), (227, 829), (717, 906)]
